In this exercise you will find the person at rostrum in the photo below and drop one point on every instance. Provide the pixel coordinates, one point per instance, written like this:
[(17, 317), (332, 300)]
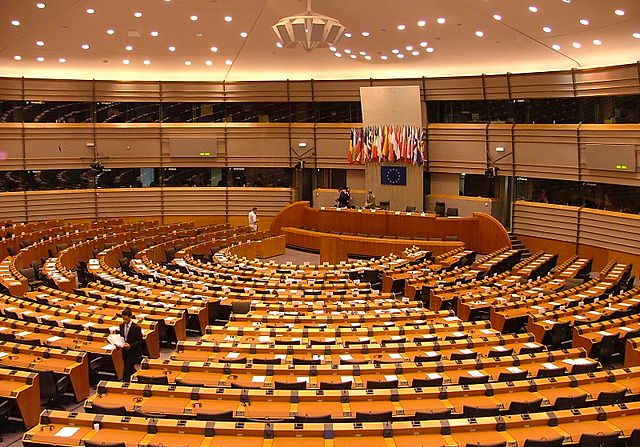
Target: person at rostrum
[(253, 219), (370, 200), (131, 350), (344, 197)]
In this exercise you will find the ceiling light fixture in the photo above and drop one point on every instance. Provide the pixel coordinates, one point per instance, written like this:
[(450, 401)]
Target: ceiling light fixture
[(546, 29), (424, 44), (84, 46), (154, 33), (415, 53), (533, 8), (18, 58), (619, 12), (384, 58), (401, 27), (636, 35), (129, 48), (208, 63), (111, 32), (90, 11), (584, 22), (279, 45), (430, 50), (408, 48), (479, 33), (577, 45), (62, 60), (146, 62), (172, 48), (400, 56), (214, 49), (137, 14), (347, 35), (597, 42), (441, 20), (15, 22), (228, 19), (126, 61), (40, 59), (228, 62), (365, 34), (40, 43), (367, 57), (352, 56), (187, 63), (337, 54), (422, 23), (556, 47), (194, 18), (243, 35), (308, 30), (40, 5), (497, 17)]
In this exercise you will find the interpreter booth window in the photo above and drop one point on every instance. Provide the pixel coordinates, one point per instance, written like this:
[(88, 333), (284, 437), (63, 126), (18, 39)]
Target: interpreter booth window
[(127, 112), (260, 177), (475, 185), (119, 178), (50, 179), (193, 177), (11, 181), (11, 111)]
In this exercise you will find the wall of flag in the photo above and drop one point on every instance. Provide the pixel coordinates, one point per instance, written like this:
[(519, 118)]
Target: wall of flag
[(388, 143)]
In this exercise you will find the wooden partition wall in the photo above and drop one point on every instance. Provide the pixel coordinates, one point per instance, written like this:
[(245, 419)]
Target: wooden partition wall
[(203, 205), (568, 230)]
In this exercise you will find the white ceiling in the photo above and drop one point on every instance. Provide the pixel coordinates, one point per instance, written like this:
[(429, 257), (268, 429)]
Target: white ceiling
[(516, 43)]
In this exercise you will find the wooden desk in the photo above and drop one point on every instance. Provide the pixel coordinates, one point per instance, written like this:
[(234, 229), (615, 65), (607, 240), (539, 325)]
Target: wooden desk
[(24, 389)]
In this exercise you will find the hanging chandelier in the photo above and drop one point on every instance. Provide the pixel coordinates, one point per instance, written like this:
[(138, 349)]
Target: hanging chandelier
[(308, 30)]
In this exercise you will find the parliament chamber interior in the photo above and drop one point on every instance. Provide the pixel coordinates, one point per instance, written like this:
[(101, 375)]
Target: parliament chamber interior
[(360, 224)]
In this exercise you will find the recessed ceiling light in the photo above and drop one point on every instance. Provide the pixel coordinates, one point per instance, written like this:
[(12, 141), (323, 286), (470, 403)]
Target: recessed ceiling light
[(279, 45), (137, 14), (597, 42), (337, 54), (228, 19), (62, 60), (546, 29), (479, 34), (576, 45), (84, 46), (187, 63), (367, 57), (497, 16), (441, 20), (365, 34), (533, 8), (90, 11), (129, 48), (347, 35), (424, 44), (567, 1), (422, 23), (154, 33), (430, 50), (146, 62), (400, 56), (172, 48), (401, 27), (395, 51), (362, 53), (15, 22), (636, 35), (40, 59), (330, 48), (40, 5), (214, 49), (556, 47), (126, 61), (228, 62), (18, 58), (384, 58), (243, 35), (40, 43), (352, 56), (194, 18), (584, 22), (619, 12), (111, 32), (348, 51), (408, 48), (209, 63), (415, 53)]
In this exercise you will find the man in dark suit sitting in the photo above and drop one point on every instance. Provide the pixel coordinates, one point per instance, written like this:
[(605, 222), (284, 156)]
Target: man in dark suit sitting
[(132, 335)]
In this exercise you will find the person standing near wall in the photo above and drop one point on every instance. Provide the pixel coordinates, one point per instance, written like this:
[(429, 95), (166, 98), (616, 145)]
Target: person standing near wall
[(253, 219)]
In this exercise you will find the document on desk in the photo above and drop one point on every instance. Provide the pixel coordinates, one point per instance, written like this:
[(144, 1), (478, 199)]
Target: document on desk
[(116, 340), (67, 432)]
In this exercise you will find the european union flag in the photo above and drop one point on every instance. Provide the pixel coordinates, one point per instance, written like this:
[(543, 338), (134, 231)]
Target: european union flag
[(393, 175)]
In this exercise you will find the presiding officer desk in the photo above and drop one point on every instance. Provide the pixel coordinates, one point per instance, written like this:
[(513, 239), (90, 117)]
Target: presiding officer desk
[(619, 419)]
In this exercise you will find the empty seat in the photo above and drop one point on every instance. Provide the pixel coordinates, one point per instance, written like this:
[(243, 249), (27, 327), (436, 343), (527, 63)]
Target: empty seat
[(471, 411), (410, 209), (497, 444), (452, 212), (439, 209), (153, 380), (512, 376), (182, 382), (533, 406), (273, 361), (104, 444), (500, 352), (432, 415), (374, 416), (468, 380), (336, 386), (463, 355), (568, 403), (551, 372), (52, 386), (421, 383), (427, 358), (213, 416), (611, 397), (381, 384), (290, 385), (311, 419), (115, 411), (385, 205)]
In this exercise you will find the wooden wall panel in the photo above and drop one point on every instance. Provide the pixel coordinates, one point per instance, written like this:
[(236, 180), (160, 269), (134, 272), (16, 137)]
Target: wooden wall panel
[(555, 84), (11, 150), (258, 146), (11, 89), (500, 135), (268, 200), (615, 80), (127, 91), (610, 230), (457, 88), (347, 90), (72, 204), (51, 146), (58, 90), (134, 146), (546, 151), (456, 148), (194, 201), (496, 87), (553, 222), (12, 206), (129, 202)]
